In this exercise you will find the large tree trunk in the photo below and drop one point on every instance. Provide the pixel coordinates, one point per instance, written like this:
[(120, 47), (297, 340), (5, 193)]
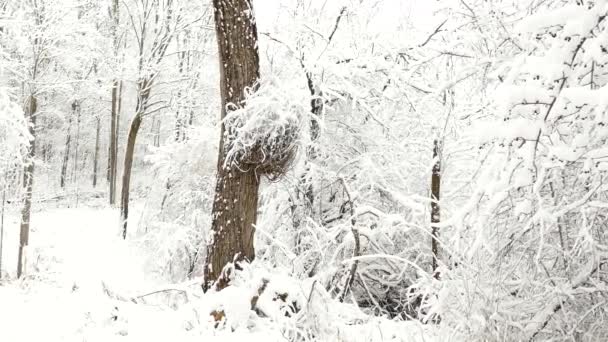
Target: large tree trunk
[(28, 184), (236, 193), (435, 209)]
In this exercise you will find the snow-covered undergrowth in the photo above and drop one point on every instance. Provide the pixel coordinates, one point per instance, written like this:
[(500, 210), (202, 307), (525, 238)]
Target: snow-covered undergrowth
[(14, 134), (83, 283)]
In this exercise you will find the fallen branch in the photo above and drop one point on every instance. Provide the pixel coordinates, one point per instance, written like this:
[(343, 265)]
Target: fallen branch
[(162, 291)]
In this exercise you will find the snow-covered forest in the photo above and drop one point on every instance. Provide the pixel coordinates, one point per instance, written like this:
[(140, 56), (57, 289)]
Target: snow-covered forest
[(303, 170)]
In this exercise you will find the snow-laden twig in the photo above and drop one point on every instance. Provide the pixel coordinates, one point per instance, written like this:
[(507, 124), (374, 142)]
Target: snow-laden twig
[(542, 318)]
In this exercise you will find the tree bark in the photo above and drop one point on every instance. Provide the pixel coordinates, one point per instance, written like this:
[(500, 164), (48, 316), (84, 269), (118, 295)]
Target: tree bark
[(28, 184), (144, 94), (66, 155), (76, 144), (236, 194), (113, 142), (126, 173), (316, 108), (435, 209), (115, 113), (179, 121), (96, 155), (305, 190)]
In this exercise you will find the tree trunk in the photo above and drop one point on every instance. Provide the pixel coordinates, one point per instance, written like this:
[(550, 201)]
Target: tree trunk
[(156, 126), (305, 190), (66, 155), (236, 193), (113, 152), (28, 184), (43, 150), (126, 172), (96, 155), (178, 126), (76, 143), (316, 108), (435, 209), (144, 91), (115, 113)]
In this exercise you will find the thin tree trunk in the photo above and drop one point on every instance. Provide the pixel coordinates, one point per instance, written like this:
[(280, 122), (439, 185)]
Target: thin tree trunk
[(179, 119), (66, 155), (96, 155), (115, 113), (28, 184), (157, 133), (144, 90), (84, 160), (305, 184), (109, 164), (126, 173), (178, 126), (117, 136), (236, 193), (316, 108), (76, 143), (435, 209), (113, 142), (43, 150)]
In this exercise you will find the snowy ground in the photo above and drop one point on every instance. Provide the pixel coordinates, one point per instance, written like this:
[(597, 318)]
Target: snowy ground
[(84, 283), (80, 279)]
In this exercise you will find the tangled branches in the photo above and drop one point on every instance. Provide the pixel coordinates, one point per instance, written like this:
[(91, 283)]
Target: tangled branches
[(264, 133)]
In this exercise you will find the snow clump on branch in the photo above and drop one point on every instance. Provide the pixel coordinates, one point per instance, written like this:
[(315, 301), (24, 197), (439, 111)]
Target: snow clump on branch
[(263, 134)]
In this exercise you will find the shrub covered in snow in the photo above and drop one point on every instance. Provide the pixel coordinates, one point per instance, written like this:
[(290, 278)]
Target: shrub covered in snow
[(537, 220), (270, 301), (14, 134), (177, 214)]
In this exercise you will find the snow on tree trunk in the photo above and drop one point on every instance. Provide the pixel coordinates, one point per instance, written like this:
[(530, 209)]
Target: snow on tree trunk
[(115, 111), (28, 184), (113, 152), (435, 209), (66, 155), (236, 193)]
